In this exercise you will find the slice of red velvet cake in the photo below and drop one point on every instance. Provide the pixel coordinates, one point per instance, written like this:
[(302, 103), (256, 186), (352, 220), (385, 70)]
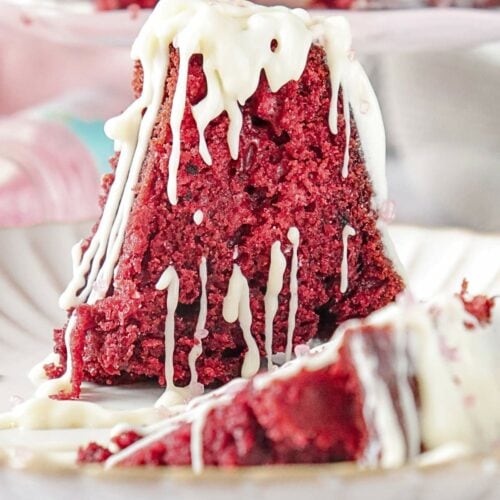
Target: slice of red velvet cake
[(378, 393), (312, 412), (243, 214)]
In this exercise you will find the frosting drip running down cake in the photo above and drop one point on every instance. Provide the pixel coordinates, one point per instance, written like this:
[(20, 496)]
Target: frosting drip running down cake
[(379, 393), (242, 215)]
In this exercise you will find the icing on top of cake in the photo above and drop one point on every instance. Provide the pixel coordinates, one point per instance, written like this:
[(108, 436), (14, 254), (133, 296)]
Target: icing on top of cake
[(346, 233), (238, 40), (293, 236)]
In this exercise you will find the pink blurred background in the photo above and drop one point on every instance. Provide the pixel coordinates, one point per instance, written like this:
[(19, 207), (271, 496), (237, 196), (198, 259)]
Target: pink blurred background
[(51, 93)]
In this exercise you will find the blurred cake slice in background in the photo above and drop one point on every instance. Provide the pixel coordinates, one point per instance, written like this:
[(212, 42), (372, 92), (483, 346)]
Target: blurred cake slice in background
[(411, 377)]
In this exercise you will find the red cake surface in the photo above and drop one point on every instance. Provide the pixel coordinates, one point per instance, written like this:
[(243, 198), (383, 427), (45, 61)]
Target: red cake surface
[(288, 174), (313, 416), (479, 306)]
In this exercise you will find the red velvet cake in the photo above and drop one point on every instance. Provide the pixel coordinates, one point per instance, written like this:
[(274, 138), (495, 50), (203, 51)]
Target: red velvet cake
[(242, 217), (378, 393)]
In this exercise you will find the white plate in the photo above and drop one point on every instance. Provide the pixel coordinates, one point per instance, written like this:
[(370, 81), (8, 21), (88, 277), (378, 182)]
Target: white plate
[(377, 31), (34, 267)]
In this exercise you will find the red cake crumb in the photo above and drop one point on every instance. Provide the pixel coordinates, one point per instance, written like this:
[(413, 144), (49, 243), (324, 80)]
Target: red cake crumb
[(93, 453), (479, 306), (288, 174), (126, 439)]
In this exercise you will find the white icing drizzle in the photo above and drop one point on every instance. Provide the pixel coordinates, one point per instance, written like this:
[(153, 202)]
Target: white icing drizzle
[(47, 413), (76, 256), (202, 316), (274, 285), (63, 383), (177, 112), (404, 372), (236, 306), (200, 332), (337, 38), (387, 446), (169, 281), (198, 217), (235, 41), (344, 266), (294, 238), (347, 118), (315, 359), (197, 427), (448, 452), (131, 132)]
